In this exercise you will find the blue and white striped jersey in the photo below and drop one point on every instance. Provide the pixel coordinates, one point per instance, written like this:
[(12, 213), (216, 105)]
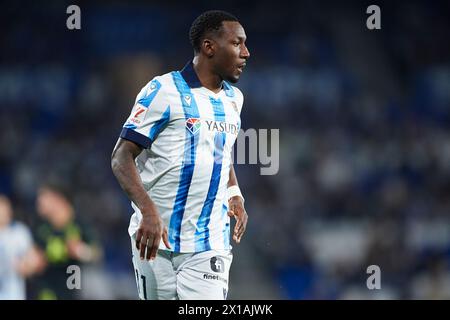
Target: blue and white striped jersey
[(188, 133)]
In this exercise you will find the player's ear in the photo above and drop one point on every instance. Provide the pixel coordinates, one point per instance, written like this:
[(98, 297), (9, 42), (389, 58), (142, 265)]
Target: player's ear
[(208, 47)]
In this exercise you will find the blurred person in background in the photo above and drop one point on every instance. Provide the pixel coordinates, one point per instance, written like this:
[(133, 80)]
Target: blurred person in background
[(19, 258), (64, 241), (173, 160)]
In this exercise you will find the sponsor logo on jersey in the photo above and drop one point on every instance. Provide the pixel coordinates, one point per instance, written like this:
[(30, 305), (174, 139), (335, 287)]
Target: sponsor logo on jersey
[(187, 99), (209, 276), (193, 125), (139, 115), (217, 264), (221, 126)]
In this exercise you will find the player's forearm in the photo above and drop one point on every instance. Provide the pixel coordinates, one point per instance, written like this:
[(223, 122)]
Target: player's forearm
[(232, 180), (124, 169), (234, 193)]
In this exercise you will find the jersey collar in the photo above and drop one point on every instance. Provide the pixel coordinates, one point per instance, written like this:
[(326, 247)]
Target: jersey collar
[(189, 75)]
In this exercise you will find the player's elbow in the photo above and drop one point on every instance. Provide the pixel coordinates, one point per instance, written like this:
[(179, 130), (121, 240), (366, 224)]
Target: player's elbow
[(115, 165), (116, 162), (123, 156), (120, 160)]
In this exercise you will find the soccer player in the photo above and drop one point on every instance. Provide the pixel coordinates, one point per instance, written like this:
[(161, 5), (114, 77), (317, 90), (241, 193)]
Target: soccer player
[(63, 240), (173, 160), (19, 258)]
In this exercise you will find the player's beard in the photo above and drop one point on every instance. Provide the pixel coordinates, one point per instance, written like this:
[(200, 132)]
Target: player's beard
[(232, 78)]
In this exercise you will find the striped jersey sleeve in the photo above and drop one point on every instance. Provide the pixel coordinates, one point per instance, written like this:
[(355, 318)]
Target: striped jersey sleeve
[(149, 116)]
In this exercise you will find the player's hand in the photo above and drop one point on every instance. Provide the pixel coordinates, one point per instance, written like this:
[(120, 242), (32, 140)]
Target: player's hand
[(74, 247), (149, 234), (236, 209), (33, 261), (82, 251)]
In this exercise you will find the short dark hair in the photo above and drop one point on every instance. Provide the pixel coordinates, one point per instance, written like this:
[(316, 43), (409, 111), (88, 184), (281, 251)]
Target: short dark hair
[(58, 187), (209, 21)]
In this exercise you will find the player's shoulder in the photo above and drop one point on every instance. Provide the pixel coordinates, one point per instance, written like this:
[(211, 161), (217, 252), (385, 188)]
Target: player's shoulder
[(158, 85), (235, 92), (231, 90), (166, 78), (238, 92), (161, 82), (20, 227)]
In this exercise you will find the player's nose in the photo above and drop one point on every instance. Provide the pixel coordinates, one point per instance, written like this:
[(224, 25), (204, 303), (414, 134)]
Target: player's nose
[(245, 53)]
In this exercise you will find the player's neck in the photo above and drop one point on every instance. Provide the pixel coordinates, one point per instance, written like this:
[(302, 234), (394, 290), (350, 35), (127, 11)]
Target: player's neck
[(63, 218), (208, 79)]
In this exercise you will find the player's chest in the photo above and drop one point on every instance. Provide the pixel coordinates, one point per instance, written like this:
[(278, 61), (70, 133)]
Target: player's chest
[(206, 116)]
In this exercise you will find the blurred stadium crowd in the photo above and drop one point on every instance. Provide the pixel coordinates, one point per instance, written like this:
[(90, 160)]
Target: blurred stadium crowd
[(364, 119)]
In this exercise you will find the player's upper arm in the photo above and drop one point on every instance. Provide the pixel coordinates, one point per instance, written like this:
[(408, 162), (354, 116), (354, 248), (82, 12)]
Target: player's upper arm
[(126, 147), (149, 116)]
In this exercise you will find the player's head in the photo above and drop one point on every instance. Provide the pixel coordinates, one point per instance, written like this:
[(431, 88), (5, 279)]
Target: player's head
[(5, 211), (218, 36), (52, 200)]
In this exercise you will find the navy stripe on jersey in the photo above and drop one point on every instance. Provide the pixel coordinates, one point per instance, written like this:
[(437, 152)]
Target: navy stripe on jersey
[(190, 76), (187, 169), (136, 137), (202, 230)]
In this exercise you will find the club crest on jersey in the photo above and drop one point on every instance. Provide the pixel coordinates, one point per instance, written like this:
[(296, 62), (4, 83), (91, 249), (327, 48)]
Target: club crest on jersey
[(193, 125), (150, 89)]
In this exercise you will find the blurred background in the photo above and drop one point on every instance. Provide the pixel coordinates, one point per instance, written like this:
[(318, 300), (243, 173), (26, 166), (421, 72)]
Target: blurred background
[(364, 119)]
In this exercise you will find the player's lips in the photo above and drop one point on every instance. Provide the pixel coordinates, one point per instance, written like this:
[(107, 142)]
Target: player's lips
[(241, 67)]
